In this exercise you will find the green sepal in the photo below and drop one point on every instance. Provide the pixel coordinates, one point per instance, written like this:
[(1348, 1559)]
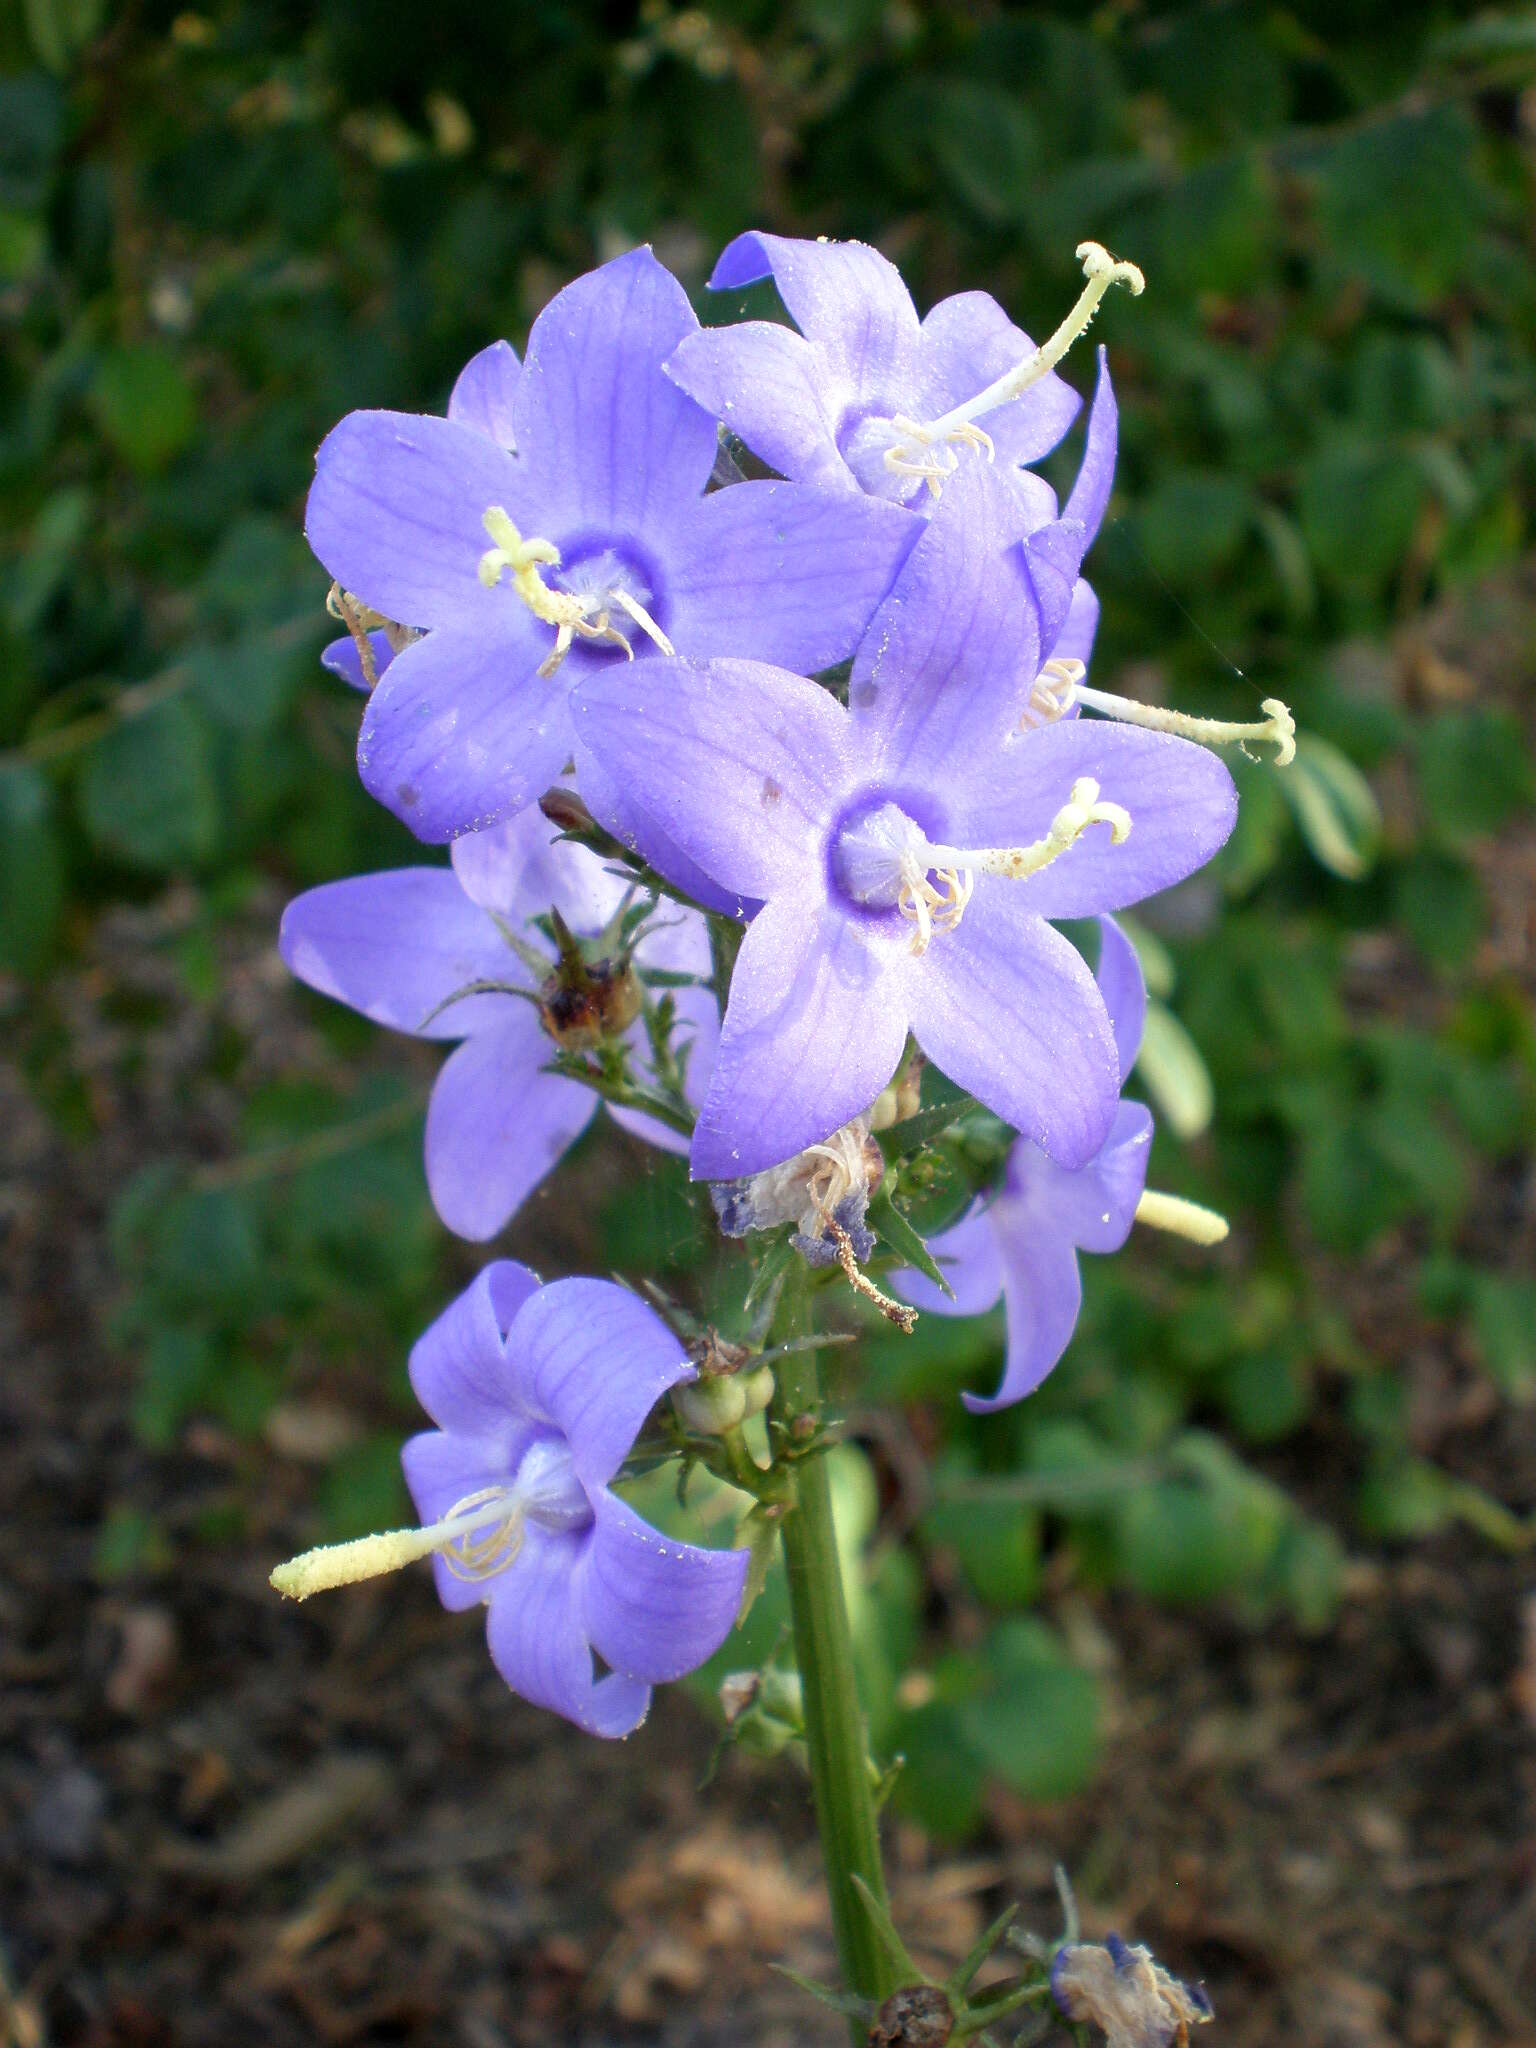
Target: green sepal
[(894, 1231)]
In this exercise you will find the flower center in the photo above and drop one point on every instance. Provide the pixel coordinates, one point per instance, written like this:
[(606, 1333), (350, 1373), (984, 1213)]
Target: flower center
[(882, 860), (593, 589)]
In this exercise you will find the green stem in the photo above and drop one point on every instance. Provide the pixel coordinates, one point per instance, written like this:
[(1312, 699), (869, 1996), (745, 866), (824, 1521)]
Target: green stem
[(834, 1725)]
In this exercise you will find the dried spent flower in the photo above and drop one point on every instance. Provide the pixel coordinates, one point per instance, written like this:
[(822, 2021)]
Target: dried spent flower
[(1126, 1993)]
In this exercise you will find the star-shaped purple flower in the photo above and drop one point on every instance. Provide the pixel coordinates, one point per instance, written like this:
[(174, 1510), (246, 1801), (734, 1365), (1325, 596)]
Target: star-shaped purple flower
[(398, 945), (1022, 1243), (908, 851), (538, 1394), (821, 405), (588, 539)]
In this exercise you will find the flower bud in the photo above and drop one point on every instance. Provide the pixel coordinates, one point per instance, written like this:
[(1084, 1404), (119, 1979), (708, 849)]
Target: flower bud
[(583, 1003)]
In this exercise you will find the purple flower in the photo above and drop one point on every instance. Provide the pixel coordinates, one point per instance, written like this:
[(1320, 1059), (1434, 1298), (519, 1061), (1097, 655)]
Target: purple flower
[(828, 405), (555, 524), (822, 405), (909, 850), (399, 945), (1022, 1242), (538, 1394)]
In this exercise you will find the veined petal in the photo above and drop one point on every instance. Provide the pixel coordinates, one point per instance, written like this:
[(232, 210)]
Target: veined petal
[(496, 1123), (1008, 1009), (1096, 477), (537, 1642), (396, 945), (950, 657), (464, 731), (774, 390), (1124, 989), (609, 439), (738, 764), (613, 806), (968, 1255), (395, 515), (651, 1606), (843, 295), (1180, 798), (483, 393), (1042, 1292), (816, 1024), (967, 341), (598, 1360), (459, 1367), (791, 572)]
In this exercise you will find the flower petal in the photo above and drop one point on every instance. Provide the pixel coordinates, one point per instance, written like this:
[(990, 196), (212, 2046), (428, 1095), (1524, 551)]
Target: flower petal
[(396, 945), (775, 391), (1079, 629), (1094, 1207), (441, 1469), (792, 572), (949, 659), (614, 807), (395, 515), (341, 658), (816, 1024), (607, 437), (1096, 477), (496, 1124), (738, 764), (483, 394), (967, 342), (653, 1607), (844, 295), (1124, 989), (464, 731), (521, 868), (1009, 1010), (1180, 798), (968, 1255), (459, 1368), (537, 1643), (1042, 1292), (598, 1360)]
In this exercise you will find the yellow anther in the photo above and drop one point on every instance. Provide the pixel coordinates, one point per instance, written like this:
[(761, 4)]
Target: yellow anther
[(1180, 1218)]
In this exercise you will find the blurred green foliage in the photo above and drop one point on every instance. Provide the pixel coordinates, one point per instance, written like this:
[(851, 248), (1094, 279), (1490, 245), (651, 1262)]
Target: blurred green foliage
[(220, 228)]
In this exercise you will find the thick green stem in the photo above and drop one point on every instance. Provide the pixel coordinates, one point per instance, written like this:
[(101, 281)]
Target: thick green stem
[(834, 1726)]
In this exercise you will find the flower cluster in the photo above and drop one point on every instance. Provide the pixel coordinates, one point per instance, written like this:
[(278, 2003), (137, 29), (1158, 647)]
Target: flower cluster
[(827, 726)]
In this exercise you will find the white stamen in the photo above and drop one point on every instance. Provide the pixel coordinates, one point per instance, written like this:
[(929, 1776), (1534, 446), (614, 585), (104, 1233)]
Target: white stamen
[(920, 450), (1278, 726), (887, 860), (1180, 1218), (495, 1517)]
